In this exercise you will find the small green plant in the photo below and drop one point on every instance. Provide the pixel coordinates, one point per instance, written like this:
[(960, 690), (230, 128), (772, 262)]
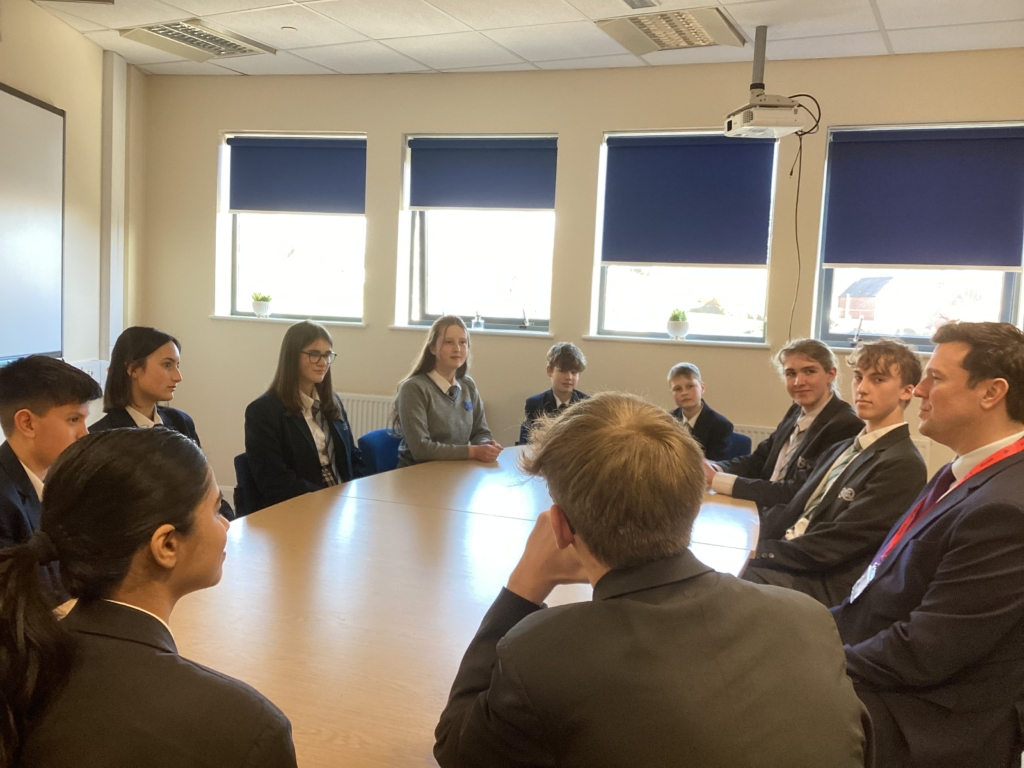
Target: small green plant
[(677, 315), (260, 297)]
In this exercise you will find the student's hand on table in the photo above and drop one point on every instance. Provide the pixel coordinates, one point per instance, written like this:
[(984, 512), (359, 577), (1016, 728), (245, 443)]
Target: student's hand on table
[(485, 452), (710, 470), (543, 566)]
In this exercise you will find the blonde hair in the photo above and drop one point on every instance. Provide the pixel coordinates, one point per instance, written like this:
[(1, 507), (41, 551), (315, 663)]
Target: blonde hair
[(426, 360), (628, 477)]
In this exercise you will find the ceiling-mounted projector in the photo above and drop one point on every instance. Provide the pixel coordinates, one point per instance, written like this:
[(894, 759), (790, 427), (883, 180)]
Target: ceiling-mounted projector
[(766, 116)]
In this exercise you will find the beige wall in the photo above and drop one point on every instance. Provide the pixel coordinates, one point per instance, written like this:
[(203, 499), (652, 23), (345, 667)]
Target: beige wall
[(226, 363), (47, 59)]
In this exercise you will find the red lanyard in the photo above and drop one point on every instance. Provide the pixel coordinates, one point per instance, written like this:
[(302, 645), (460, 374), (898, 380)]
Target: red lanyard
[(1003, 453)]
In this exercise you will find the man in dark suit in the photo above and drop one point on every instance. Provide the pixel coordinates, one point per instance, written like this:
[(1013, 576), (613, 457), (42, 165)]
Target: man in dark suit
[(565, 364), (671, 664), (44, 403), (821, 541), (708, 427), (817, 420), (934, 629)]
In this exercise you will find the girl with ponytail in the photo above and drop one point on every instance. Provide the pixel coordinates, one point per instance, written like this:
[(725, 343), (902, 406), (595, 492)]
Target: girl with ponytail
[(132, 518)]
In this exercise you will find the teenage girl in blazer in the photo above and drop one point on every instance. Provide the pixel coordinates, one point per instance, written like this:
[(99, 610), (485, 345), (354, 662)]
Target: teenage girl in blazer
[(438, 411), (132, 517), (297, 436)]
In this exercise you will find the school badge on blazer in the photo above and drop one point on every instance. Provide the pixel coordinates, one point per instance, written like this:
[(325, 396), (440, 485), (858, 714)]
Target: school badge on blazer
[(802, 463), (847, 494)]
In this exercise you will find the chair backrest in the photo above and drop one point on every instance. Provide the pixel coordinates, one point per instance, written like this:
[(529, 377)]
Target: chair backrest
[(737, 445), (380, 450), (247, 496)]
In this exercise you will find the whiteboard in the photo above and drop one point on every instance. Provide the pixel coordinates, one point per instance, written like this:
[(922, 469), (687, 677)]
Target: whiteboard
[(31, 226)]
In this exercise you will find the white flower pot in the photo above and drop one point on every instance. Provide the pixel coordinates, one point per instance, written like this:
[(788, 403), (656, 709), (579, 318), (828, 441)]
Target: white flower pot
[(677, 329), (261, 308)]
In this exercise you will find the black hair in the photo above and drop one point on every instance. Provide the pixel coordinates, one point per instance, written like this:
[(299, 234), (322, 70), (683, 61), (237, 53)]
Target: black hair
[(39, 383), (105, 497), (131, 349)]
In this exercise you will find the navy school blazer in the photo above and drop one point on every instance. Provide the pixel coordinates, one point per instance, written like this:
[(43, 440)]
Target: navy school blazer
[(542, 405), (711, 430), (836, 422), (847, 528), (938, 634), (284, 460)]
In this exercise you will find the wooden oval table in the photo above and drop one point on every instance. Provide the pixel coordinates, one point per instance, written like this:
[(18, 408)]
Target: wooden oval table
[(350, 608)]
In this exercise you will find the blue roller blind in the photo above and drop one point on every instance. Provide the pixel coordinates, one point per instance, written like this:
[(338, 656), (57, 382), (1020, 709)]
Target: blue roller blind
[(298, 175), (483, 173), (949, 197), (696, 199)]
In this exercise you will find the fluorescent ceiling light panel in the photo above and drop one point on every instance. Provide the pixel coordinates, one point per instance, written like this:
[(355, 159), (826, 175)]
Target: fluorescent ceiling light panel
[(695, 28), (194, 41)]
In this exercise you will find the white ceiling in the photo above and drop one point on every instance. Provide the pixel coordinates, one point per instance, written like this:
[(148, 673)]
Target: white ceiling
[(382, 36)]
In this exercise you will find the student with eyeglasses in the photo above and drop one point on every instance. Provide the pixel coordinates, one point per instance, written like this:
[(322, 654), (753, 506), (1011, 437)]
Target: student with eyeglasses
[(297, 435)]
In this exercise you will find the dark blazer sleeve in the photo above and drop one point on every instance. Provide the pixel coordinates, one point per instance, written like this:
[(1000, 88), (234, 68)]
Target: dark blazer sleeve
[(858, 528), (534, 408), (264, 447), (714, 437), (14, 526), (273, 747), (488, 719), (354, 466), (973, 599)]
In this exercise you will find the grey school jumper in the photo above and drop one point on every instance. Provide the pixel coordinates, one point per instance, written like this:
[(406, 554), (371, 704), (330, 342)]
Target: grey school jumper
[(434, 427)]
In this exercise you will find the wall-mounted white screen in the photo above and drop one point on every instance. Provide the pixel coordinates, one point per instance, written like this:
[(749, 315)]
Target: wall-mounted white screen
[(31, 226)]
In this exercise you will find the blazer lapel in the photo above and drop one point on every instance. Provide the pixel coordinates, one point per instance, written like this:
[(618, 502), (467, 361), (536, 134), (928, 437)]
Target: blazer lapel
[(12, 466), (550, 404), (868, 454), (120, 419), (784, 430), (298, 423)]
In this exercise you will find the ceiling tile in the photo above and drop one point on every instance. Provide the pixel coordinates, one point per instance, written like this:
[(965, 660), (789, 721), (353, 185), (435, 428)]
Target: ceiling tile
[(792, 18), (186, 68), (461, 49), (522, 66), (211, 7), (493, 14), (607, 9), (570, 40), (834, 46), (74, 21), (969, 37), (133, 52), (396, 18), (126, 13), (710, 54), (366, 58), (902, 14), (281, 63), (266, 25), (595, 62)]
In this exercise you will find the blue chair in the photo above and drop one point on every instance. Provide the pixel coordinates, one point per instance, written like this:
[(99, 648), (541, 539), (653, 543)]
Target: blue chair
[(380, 450), (247, 496), (737, 445)]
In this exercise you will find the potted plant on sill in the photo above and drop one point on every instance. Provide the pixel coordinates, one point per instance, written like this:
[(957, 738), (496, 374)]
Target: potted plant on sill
[(678, 326), (261, 304)]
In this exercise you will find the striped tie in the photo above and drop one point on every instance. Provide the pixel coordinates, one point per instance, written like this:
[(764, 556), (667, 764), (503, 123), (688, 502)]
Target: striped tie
[(327, 470), (838, 467)]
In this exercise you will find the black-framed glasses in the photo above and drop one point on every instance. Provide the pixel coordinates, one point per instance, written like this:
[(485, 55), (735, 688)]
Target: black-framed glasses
[(315, 356)]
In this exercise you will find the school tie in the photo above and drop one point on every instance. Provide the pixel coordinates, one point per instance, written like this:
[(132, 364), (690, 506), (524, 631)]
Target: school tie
[(326, 470), (784, 455), (562, 407), (838, 467), (452, 391)]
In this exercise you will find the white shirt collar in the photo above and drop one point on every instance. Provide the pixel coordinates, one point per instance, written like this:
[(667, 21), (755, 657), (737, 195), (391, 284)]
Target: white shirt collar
[(443, 384), (805, 421), (962, 465), (865, 439), (32, 478), (135, 607), (144, 421), (696, 416), (307, 401), (559, 401)]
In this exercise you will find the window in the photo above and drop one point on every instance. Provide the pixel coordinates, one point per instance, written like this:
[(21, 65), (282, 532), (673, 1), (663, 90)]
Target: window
[(686, 225), (482, 230), (920, 226), (298, 225)]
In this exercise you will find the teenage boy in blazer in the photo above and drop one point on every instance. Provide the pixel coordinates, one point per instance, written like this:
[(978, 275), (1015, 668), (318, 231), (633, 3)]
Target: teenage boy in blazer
[(671, 664), (565, 364), (821, 541), (817, 420), (708, 427), (934, 628)]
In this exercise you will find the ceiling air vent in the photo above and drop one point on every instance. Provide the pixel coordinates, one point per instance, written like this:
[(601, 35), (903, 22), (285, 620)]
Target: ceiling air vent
[(695, 28), (192, 40)]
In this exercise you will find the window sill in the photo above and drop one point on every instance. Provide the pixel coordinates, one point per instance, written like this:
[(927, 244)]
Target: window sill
[(285, 320), (679, 342), (479, 331)]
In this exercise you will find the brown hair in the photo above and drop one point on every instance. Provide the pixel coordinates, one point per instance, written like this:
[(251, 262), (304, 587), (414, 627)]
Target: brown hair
[(881, 355), (628, 477), (567, 357), (40, 383), (286, 378), (816, 351), (131, 350), (688, 370), (996, 352)]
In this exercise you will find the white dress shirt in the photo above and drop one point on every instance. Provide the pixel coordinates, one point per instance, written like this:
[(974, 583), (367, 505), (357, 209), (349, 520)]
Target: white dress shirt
[(142, 420), (962, 465), (32, 478), (319, 438)]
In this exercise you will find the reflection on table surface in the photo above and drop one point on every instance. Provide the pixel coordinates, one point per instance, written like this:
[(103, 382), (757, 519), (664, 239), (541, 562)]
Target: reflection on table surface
[(350, 608)]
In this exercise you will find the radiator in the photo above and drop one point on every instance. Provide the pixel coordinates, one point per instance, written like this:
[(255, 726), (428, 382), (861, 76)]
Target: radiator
[(367, 412), (757, 434)]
